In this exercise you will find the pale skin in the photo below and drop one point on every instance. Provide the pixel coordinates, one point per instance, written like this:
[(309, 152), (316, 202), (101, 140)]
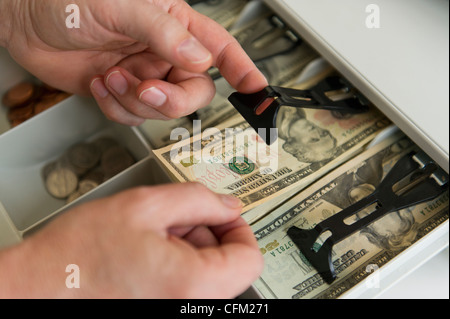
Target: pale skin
[(139, 61)]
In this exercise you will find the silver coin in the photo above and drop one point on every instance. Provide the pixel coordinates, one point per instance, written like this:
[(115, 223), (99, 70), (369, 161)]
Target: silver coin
[(85, 186), (83, 155), (61, 182), (116, 160), (73, 197), (104, 143)]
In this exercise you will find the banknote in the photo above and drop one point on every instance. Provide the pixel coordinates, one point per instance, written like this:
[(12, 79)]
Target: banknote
[(223, 12), (233, 159), (287, 273)]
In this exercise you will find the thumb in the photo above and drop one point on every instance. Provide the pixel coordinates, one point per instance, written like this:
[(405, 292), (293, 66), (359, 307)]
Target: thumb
[(154, 26), (184, 205)]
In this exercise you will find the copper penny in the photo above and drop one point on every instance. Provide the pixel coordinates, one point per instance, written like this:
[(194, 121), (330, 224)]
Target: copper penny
[(43, 105), (21, 113), (19, 95)]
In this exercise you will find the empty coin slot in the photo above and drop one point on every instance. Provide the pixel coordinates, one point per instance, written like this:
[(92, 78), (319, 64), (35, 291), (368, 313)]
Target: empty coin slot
[(321, 239), (363, 213)]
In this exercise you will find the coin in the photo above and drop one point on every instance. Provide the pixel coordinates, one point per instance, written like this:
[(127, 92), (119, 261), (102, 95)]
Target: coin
[(44, 104), (49, 88), (85, 186), (61, 96), (73, 197), (19, 95), (105, 143), (96, 175), (115, 160), (21, 113), (16, 123), (61, 182), (84, 156)]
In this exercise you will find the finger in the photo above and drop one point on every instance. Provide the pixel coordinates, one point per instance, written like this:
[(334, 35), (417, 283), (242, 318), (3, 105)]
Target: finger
[(229, 56), (222, 233), (201, 236), (152, 25), (123, 86), (237, 260), (160, 100), (180, 205), (113, 110), (183, 93)]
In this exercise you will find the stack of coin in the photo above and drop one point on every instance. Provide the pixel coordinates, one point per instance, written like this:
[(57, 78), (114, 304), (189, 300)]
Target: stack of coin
[(84, 167), (27, 99)]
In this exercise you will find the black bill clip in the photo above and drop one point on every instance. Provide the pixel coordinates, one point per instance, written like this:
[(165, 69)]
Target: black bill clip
[(413, 180), (261, 109)]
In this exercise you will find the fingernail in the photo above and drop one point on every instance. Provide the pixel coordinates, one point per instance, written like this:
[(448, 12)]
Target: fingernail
[(98, 88), (117, 82), (153, 97), (231, 201), (194, 51)]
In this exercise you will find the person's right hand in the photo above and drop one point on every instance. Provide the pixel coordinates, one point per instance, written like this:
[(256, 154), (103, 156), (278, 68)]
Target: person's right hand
[(174, 241), (141, 59)]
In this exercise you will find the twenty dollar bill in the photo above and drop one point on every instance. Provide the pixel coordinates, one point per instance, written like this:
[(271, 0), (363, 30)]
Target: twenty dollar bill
[(233, 159), (288, 274)]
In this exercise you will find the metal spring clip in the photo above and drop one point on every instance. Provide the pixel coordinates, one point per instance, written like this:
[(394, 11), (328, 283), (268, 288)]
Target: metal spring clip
[(276, 37), (268, 38), (414, 179), (261, 109)]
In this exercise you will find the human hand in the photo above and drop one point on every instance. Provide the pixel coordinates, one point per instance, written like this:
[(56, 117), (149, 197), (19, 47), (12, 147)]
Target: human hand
[(174, 241), (141, 59)]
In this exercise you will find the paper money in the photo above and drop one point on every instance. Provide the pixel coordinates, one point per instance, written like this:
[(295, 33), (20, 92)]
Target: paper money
[(235, 161), (288, 274), (223, 12)]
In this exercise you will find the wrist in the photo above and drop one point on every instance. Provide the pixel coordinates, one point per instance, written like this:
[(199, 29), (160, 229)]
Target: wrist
[(5, 21)]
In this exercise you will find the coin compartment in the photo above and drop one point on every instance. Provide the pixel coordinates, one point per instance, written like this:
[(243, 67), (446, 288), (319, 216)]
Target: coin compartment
[(9, 235), (145, 173), (27, 149)]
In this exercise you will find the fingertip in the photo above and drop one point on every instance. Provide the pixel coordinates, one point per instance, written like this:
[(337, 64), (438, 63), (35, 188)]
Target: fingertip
[(231, 202), (98, 88), (153, 97), (194, 56)]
